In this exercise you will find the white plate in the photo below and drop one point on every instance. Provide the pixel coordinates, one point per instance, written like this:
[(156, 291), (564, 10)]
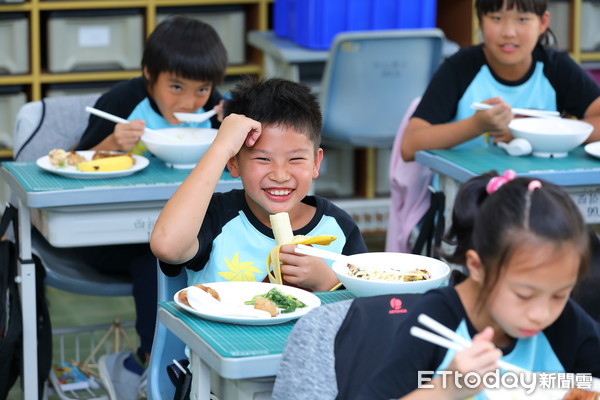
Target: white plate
[(72, 171), (237, 293), (593, 149)]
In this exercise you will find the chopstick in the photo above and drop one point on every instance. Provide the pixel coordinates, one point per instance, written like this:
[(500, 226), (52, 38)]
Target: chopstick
[(316, 252), (520, 111), (111, 117), (456, 341)]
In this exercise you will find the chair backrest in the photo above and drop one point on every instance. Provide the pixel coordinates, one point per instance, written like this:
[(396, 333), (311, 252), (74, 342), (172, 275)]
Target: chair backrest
[(51, 123), (166, 346), (369, 80), (41, 126)]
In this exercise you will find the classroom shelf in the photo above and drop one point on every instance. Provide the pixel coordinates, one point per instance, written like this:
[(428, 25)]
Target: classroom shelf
[(37, 13)]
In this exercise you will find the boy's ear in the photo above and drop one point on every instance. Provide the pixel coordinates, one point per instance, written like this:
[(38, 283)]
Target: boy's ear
[(475, 266), (146, 73), (317, 166), (232, 166)]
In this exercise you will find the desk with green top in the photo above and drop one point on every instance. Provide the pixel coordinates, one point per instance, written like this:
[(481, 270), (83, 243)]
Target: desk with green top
[(578, 173), (79, 212), (231, 351)]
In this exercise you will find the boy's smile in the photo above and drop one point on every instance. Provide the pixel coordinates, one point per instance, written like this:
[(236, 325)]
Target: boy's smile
[(277, 172)]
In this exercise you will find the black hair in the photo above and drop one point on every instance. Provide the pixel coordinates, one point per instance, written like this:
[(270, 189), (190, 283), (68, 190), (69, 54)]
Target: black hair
[(187, 47), (538, 7), (495, 225), (278, 102)]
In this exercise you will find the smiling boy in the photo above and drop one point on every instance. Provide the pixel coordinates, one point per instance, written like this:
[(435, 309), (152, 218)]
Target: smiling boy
[(271, 140)]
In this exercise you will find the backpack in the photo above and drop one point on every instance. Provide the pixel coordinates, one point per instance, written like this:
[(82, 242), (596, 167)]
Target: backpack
[(11, 326)]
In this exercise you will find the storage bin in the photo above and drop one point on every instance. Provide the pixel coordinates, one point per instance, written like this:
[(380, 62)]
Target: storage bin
[(95, 40), (559, 22), (314, 23), (14, 45), (77, 88), (336, 176), (12, 98), (590, 29), (228, 21)]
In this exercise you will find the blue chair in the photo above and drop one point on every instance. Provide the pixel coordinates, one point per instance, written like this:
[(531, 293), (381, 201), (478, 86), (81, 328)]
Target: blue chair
[(371, 78), (166, 345)]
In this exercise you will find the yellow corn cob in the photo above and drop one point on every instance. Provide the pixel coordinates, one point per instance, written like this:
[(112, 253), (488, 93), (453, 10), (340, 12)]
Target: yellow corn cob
[(106, 164), (283, 233)]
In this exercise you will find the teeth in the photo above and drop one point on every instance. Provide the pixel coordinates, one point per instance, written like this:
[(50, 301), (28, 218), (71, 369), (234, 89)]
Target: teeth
[(279, 192)]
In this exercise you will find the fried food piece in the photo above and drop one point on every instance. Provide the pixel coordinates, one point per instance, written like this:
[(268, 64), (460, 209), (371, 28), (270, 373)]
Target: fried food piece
[(73, 158), (182, 296), (57, 157), (266, 305), (578, 394)]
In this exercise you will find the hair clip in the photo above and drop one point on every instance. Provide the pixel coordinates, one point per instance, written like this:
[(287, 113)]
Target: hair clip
[(535, 184), (497, 181)]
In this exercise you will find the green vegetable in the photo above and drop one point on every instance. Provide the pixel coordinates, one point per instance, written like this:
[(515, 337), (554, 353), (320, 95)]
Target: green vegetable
[(286, 302)]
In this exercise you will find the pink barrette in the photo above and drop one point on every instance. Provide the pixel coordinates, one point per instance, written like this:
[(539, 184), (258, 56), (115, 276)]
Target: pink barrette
[(497, 181), (535, 184)]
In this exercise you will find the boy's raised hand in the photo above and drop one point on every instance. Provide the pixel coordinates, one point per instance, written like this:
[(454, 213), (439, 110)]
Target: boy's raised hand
[(237, 130), (128, 135)]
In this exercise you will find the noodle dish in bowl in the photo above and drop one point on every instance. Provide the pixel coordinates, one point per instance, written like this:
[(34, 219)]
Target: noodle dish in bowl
[(373, 274)]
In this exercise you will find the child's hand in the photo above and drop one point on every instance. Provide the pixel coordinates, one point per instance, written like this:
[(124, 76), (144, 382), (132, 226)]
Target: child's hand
[(237, 130), (496, 119), (126, 136), (306, 271), (479, 358)]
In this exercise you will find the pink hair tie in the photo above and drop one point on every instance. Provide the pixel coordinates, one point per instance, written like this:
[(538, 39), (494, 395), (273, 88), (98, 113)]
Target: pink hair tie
[(497, 181), (535, 184)]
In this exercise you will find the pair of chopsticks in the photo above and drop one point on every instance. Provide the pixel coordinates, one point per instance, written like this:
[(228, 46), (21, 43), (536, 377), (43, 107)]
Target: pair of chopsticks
[(451, 340), (520, 111)]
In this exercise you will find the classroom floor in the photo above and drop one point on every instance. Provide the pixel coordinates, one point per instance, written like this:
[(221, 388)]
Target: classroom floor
[(71, 310)]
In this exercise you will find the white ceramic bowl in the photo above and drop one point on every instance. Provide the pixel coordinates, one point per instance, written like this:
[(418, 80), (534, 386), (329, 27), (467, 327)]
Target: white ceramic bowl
[(440, 272), (184, 146), (551, 137)]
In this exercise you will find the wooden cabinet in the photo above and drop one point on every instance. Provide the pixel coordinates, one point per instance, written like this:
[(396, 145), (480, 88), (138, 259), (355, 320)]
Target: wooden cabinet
[(37, 12), (458, 20)]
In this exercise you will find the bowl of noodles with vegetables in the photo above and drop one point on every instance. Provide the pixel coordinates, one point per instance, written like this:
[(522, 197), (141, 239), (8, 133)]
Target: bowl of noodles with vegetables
[(372, 274)]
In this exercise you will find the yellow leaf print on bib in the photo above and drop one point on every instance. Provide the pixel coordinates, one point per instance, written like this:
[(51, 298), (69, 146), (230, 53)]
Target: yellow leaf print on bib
[(240, 271)]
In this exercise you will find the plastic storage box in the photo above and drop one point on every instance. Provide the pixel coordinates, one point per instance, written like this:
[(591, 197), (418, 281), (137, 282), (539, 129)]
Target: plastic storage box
[(12, 98), (314, 23), (95, 40), (590, 28), (228, 21), (14, 48)]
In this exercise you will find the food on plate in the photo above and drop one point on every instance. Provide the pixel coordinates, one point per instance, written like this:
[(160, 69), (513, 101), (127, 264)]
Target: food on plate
[(283, 234), (261, 303), (74, 158), (183, 294), (579, 394), (116, 163), (286, 302), (57, 157), (388, 274)]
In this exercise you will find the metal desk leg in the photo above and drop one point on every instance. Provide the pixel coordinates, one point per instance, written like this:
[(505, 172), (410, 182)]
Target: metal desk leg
[(200, 378), (28, 305)]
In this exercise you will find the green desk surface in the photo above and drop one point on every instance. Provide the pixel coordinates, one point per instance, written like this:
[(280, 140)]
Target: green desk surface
[(35, 179), (231, 340), (483, 159)]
